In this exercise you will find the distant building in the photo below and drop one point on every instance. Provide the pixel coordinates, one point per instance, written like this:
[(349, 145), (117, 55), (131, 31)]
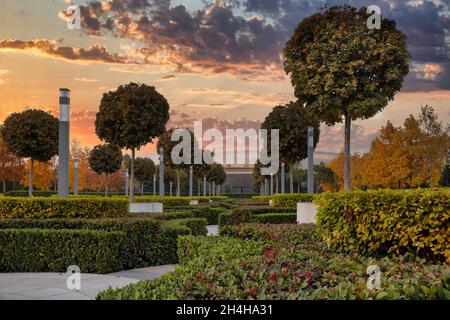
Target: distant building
[(239, 176)]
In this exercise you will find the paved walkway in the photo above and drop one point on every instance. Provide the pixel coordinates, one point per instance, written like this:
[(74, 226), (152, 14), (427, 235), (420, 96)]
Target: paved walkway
[(52, 286)]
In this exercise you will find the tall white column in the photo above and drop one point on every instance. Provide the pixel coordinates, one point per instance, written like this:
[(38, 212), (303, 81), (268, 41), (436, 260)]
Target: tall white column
[(64, 136)]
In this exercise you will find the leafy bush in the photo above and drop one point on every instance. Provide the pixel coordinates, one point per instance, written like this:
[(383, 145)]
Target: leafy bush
[(262, 199), (251, 213), (387, 222), (291, 200), (42, 208), (275, 218), (166, 201), (263, 209), (240, 195), (283, 262), (196, 225), (144, 242), (48, 193), (47, 250)]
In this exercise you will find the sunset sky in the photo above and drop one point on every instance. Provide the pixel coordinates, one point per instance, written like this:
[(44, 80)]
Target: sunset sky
[(218, 61)]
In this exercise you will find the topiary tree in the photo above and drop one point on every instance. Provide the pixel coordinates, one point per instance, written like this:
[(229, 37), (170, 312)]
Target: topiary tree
[(344, 70), (292, 120), (144, 169), (216, 174), (31, 134), (105, 159), (131, 117), (165, 141)]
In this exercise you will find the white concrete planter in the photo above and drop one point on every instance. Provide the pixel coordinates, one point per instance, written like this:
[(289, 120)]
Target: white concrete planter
[(193, 203), (146, 207), (306, 212), (270, 202)]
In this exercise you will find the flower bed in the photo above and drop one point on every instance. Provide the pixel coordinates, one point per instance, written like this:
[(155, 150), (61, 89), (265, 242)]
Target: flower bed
[(283, 262)]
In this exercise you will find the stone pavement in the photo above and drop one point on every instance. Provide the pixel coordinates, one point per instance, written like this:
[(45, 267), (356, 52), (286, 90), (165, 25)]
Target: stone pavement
[(52, 286)]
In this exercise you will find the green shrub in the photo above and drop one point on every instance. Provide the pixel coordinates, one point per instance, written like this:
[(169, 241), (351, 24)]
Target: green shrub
[(196, 225), (283, 262), (251, 213), (263, 209), (48, 193), (46, 250), (275, 218), (387, 222), (233, 218), (145, 242), (42, 208), (262, 199), (291, 200), (176, 215), (240, 195)]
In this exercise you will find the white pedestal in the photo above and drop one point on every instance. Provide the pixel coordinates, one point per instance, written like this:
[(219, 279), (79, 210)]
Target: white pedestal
[(306, 212), (193, 203), (270, 202), (146, 207)]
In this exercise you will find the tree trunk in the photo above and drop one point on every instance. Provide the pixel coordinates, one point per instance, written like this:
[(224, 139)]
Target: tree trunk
[(347, 184), (276, 182), (178, 183), (106, 184), (133, 154), (30, 179), (431, 175), (4, 186), (291, 178), (142, 188)]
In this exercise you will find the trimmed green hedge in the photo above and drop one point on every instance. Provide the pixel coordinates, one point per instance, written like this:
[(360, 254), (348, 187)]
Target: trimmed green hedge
[(211, 214), (275, 218), (263, 209), (142, 242), (48, 193), (196, 225), (235, 218), (280, 262), (42, 208), (387, 221), (262, 199), (291, 200), (46, 250)]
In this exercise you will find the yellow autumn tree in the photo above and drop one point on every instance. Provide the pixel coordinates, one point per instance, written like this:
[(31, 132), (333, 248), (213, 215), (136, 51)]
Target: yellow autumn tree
[(43, 175)]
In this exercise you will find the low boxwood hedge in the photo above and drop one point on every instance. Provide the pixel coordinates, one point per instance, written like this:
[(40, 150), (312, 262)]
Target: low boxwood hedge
[(291, 200), (47, 250), (262, 199), (196, 225), (142, 242), (283, 262), (275, 218), (43, 208), (387, 221)]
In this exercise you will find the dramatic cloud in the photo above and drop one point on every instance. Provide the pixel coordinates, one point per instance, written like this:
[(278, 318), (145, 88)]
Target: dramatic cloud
[(3, 72), (95, 53), (245, 38)]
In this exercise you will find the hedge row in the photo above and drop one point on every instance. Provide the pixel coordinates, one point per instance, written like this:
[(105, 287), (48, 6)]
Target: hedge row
[(387, 222), (196, 225), (262, 199), (211, 214), (291, 200), (48, 193), (235, 218), (263, 209), (42, 208), (282, 262), (101, 246)]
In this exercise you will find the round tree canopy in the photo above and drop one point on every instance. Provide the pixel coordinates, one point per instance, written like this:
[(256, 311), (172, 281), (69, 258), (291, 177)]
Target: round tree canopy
[(144, 169), (292, 120), (31, 134), (132, 116), (105, 158), (339, 66)]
